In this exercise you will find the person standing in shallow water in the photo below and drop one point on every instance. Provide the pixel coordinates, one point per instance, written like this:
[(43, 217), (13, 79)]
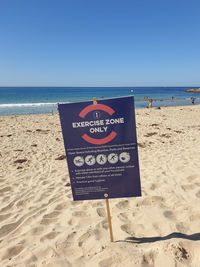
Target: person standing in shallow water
[(150, 103), (192, 100)]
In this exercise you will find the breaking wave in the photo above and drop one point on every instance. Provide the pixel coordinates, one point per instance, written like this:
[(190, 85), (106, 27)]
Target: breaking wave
[(26, 105)]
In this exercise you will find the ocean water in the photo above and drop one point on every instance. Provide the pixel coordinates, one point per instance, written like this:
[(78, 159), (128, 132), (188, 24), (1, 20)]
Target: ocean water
[(35, 100)]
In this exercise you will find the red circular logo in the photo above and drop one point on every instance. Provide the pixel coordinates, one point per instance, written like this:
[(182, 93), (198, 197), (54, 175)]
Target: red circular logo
[(95, 141)]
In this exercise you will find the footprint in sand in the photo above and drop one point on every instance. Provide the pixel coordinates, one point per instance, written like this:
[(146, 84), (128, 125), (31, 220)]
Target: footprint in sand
[(71, 238), (75, 203), (149, 201), (72, 221), (49, 236), (69, 195), (154, 186), (5, 189), (12, 252), (6, 229), (188, 187), (122, 204), (51, 215), (21, 203), (67, 242), (48, 221), (37, 230), (62, 206), (148, 259), (124, 217), (4, 216), (128, 228), (192, 177), (84, 238), (104, 224), (45, 182), (168, 214), (80, 214), (97, 204), (101, 212), (6, 199), (198, 194)]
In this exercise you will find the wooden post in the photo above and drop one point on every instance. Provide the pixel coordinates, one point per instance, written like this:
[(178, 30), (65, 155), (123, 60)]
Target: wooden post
[(109, 220), (107, 201)]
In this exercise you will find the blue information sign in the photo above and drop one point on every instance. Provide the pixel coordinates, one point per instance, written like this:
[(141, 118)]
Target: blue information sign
[(101, 148)]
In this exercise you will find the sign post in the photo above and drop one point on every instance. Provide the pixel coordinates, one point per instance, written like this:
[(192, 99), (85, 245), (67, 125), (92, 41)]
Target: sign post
[(107, 201), (101, 148), (109, 220)]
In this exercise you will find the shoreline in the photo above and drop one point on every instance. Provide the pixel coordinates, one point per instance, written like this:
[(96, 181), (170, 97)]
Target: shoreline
[(136, 108)]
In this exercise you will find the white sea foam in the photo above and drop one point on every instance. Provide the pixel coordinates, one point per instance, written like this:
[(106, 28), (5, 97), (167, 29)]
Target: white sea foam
[(26, 105)]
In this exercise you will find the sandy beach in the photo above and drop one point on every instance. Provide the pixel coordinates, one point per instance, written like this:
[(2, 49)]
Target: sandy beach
[(41, 225)]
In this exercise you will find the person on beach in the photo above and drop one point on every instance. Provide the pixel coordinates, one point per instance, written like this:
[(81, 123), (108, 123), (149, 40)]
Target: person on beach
[(150, 103), (172, 98), (192, 100)]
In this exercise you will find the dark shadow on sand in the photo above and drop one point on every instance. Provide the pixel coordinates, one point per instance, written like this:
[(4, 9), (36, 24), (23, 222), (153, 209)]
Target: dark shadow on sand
[(139, 240)]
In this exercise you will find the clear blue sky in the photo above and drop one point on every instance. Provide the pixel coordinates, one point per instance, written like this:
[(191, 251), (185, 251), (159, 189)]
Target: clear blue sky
[(99, 42)]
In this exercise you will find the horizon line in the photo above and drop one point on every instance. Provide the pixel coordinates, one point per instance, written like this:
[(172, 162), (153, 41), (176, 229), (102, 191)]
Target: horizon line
[(99, 86)]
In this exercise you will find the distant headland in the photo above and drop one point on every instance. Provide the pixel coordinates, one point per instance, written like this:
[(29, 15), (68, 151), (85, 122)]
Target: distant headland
[(193, 90)]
